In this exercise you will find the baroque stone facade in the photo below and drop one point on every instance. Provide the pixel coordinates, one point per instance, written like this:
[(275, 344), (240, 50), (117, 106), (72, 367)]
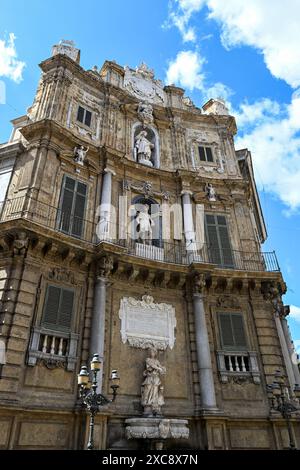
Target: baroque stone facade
[(73, 280)]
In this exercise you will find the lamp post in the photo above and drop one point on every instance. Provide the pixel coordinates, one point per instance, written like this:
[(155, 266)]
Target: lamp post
[(280, 401), (92, 400)]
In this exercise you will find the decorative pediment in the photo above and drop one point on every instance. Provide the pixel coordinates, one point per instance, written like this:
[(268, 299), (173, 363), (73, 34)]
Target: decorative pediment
[(142, 84)]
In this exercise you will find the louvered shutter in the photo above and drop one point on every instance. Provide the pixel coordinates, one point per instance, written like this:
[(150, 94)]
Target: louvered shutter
[(213, 241), (88, 117), (200, 226), (80, 114), (224, 241), (202, 154), (51, 306), (238, 331), (65, 309), (79, 208), (227, 337), (209, 154), (67, 204)]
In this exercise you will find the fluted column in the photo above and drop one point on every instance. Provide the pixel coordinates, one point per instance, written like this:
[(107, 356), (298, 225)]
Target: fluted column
[(206, 379), (97, 337)]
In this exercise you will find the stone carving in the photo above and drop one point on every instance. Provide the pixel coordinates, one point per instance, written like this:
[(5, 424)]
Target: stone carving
[(80, 153), (67, 48), (144, 224), (145, 324), (142, 84), (105, 266), (199, 283), (20, 244), (228, 301), (188, 102), (152, 398), (145, 111), (143, 148), (210, 192), (156, 428), (61, 275), (145, 189)]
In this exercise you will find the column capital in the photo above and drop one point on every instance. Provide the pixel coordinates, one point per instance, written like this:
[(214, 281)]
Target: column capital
[(110, 170), (104, 267), (186, 191), (199, 284)]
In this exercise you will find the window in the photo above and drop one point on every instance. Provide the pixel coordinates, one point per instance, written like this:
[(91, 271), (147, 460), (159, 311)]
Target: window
[(205, 154), (84, 116), (72, 207), (232, 331), (58, 308), (218, 241)]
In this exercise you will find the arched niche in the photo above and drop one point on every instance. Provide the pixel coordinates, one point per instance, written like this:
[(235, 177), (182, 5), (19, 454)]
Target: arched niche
[(137, 204), (152, 137)]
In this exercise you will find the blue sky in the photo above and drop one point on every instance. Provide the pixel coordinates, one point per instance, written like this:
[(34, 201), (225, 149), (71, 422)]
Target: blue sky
[(245, 52)]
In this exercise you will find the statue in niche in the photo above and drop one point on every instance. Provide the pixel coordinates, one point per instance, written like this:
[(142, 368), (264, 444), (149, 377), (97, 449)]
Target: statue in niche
[(152, 398), (144, 224), (211, 193), (80, 153), (143, 148)]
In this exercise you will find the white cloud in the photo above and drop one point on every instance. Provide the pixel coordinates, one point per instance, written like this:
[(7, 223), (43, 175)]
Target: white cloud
[(10, 66), (180, 15), (294, 313), (271, 26), (271, 132), (186, 70)]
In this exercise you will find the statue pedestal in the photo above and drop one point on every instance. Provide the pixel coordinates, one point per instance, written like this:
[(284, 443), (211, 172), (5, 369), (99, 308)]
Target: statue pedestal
[(156, 428), (143, 161)]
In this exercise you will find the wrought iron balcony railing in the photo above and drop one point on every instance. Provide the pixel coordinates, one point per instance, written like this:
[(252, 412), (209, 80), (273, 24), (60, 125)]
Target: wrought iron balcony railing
[(177, 252)]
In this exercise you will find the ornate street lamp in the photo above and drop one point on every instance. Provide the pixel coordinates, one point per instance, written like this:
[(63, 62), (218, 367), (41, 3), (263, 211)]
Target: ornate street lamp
[(92, 400), (280, 401)]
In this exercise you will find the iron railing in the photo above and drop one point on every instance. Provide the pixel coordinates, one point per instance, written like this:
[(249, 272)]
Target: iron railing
[(177, 252)]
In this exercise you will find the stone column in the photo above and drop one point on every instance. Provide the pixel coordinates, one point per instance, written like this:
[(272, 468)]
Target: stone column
[(188, 223), (285, 352), (97, 336), (206, 380), (105, 229), (291, 350)]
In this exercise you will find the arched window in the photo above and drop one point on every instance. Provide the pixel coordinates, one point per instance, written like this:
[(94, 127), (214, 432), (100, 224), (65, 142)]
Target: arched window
[(146, 223), (145, 144)]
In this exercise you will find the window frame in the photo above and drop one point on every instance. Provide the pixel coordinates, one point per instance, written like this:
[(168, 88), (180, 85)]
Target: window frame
[(85, 110), (52, 327), (220, 249), (59, 218), (234, 348), (206, 161)]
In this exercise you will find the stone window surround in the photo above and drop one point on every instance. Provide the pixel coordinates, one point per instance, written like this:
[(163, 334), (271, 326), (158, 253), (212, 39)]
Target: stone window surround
[(217, 164), (82, 124), (34, 354), (225, 375)]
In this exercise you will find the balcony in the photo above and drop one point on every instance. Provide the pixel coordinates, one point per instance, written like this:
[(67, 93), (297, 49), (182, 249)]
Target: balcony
[(178, 252)]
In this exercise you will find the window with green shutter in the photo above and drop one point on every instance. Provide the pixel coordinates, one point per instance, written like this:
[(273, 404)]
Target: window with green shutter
[(58, 308), (72, 207), (232, 331), (219, 247)]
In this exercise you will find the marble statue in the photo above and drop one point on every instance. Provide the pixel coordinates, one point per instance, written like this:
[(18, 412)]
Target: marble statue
[(211, 193), (80, 153), (143, 148), (144, 224), (152, 397)]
